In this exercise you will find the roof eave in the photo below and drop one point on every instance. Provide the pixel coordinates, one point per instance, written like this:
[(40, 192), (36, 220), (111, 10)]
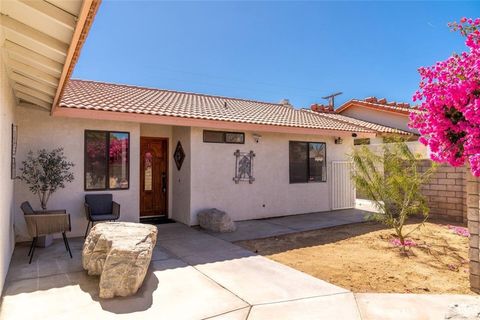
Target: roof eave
[(363, 104), (84, 23), (363, 127), (71, 112)]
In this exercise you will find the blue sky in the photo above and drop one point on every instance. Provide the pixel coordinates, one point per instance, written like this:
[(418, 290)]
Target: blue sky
[(272, 50)]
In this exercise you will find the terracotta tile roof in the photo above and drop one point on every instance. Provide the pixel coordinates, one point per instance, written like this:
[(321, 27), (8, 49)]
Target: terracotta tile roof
[(92, 95), (369, 125), (379, 104)]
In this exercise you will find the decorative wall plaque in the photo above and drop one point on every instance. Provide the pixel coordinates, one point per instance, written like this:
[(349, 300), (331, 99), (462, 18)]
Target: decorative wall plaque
[(243, 166), (179, 155)]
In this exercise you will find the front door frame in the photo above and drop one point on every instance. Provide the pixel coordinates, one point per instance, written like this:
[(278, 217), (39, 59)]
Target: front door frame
[(167, 192)]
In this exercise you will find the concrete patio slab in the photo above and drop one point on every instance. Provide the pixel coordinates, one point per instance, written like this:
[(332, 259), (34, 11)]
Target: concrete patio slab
[(195, 245), (171, 290), (202, 248), (192, 276), (47, 261), (209, 257), (308, 225), (259, 280), (338, 306), (319, 220), (196, 276), (366, 205), (393, 306), (241, 314), (174, 231), (161, 253), (252, 229), (265, 228)]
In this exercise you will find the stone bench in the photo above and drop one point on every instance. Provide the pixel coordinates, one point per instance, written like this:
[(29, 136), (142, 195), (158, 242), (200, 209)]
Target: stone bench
[(120, 253)]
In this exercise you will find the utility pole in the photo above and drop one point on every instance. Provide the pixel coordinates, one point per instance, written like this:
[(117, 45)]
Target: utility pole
[(331, 100)]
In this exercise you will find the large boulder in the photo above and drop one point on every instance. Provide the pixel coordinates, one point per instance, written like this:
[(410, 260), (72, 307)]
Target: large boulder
[(216, 220), (120, 253)]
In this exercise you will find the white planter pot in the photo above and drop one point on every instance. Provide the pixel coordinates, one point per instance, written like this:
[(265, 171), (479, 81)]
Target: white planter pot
[(44, 241)]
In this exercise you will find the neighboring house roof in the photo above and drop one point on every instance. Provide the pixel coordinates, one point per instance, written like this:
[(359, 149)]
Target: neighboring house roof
[(42, 43), (100, 96), (370, 125), (379, 104)]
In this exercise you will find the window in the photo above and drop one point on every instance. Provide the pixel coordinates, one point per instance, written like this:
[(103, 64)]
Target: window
[(213, 136), (234, 137), (308, 162), (361, 141), (107, 160), (223, 137)]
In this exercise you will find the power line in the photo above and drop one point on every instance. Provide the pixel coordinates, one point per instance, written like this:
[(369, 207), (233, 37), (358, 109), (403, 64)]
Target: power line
[(243, 81)]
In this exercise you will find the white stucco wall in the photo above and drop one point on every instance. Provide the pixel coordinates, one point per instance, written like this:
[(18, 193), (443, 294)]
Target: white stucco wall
[(37, 129), (271, 194), (7, 117), (204, 181), (388, 119), (181, 178)]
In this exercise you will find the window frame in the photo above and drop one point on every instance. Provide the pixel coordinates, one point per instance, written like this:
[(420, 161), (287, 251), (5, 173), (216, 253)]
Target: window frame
[(307, 162), (224, 136), (107, 166), (362, 141)]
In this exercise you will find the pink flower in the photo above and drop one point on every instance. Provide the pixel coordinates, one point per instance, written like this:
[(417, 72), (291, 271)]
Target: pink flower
[(407, 242), (449, 95), (452, 267), (461, 231)]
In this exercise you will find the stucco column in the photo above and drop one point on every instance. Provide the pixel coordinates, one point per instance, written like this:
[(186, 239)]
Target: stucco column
[(473, 214)]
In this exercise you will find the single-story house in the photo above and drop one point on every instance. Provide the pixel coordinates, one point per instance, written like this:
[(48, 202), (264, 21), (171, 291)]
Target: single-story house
[(387, 113), (162, 153), (172, 154), (446, 191)]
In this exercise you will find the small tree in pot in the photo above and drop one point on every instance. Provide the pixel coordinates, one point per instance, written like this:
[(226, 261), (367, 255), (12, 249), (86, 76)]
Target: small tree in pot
[(45, 172)]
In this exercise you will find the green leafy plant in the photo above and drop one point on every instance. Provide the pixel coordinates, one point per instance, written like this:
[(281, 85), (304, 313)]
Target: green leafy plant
[(45, 172), (390, 177)]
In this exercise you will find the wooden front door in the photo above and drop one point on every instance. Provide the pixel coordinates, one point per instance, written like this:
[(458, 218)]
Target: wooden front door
[(153, 177)]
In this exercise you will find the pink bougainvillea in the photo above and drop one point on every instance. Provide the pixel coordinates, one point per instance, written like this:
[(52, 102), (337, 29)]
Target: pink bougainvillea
[(461, 231), (407, 243), (118, 150), (449, 96)]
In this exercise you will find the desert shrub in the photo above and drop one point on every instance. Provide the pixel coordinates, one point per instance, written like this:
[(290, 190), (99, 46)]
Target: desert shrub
[(391, 178)]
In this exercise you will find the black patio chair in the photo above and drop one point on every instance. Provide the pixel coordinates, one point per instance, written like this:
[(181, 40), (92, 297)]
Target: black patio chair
[(99, 208)]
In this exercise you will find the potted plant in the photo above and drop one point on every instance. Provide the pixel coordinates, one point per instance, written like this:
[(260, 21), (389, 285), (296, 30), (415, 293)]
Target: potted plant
[(45, 172)]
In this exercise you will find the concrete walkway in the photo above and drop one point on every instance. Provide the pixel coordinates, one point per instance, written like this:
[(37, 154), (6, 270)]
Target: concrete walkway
[(265, 228), (193, 276), (396, 306)]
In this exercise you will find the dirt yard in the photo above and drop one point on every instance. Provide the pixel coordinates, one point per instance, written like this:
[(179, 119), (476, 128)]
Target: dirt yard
[(362, 258)]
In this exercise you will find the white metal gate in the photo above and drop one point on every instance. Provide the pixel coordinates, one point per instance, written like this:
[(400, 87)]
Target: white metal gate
[(343, 189)]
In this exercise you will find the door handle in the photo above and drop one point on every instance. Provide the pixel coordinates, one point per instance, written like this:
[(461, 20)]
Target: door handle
[(164, 182)]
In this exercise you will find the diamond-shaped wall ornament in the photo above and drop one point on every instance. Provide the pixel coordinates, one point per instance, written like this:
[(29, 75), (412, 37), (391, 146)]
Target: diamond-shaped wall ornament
[(179, 155)]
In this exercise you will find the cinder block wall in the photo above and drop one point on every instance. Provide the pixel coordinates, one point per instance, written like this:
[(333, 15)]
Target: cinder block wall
[(446, 192), (473, 214)]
